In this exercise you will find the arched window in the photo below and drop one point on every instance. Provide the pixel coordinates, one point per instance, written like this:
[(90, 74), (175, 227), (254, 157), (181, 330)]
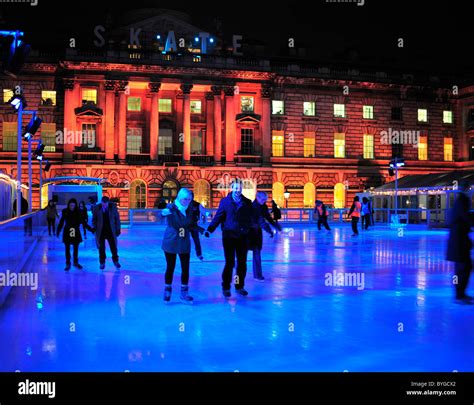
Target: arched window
[(170, 190), (202, 192), (339, 195), (137, 194), (309, 195), (277, 194), (249, 189)]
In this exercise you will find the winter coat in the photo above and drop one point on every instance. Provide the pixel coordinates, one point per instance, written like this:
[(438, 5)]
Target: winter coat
[(259, 220), (176, 238), (459, 242), (98, 221), (71, 220), (51, 212), (235, 220)]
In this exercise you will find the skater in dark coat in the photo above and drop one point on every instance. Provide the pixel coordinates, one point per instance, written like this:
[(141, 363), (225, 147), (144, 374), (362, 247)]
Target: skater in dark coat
[(261, 220), (276, 212), (196, 210), (85, 216), (321, 212), (460, 245), (71, 220), (235, 217), (177, 241)]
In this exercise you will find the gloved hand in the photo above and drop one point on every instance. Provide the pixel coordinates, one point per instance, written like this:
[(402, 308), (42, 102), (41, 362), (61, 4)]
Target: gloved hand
[(207, 234)]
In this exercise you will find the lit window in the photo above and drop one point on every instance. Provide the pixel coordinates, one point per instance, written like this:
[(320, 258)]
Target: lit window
[(278, 143), (339, 110), (134, 141), (368, 112), (309, 195), (339, 195), (89, 96), (196, 107), (309, 108), (88, 135), (48, 136), (10, 136), (7, 95), (447, 117), (48, 97), (134, 104), (246, 104), (423, 148), (278, 190), (202, 192), (368, 146), (422, 115), (339, 145), (278, 107), (137, 194), (165, 105), (448, 149), (309, 144)]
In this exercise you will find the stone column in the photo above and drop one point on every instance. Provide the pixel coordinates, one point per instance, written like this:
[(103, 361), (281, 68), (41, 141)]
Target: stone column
[(186, 89), (266, 124), (216, 91), (229, 124), (109, 118), (154, 120)]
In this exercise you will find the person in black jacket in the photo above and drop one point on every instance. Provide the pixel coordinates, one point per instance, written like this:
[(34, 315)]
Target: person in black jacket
[(321, 212), (261, 219), (235, 217), (276, 212), (84, 214), (460, 245), (196, 209), (72, 219), (177, 241)]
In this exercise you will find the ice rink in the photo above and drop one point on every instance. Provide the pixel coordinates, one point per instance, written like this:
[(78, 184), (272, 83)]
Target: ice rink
[(382, 301)]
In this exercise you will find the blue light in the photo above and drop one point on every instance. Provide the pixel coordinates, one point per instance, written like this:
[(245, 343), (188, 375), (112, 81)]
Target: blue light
[(211, 40), (196, 39), (158, 37)]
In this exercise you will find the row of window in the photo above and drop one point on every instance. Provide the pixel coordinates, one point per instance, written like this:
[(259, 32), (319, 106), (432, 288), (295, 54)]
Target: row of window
[(247, 147), (247, 103), (309, 146), (202, 193)]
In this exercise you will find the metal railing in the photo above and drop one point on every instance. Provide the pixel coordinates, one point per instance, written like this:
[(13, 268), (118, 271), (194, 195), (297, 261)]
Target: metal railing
[(430, 217), (19, 238)]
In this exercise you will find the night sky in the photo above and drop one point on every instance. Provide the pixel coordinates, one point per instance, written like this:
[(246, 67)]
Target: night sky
[(437, 35)]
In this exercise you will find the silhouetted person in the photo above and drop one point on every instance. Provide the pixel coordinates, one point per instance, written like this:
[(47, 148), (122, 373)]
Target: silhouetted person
[(177, 241), (354, 214), (366, 212), (321, 212), (276, 212), (459, 243), (72, 219), (106, 222), (261, 220), (235, 217), (85, 216), (51, 215), (196, 211), (162, 204)]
